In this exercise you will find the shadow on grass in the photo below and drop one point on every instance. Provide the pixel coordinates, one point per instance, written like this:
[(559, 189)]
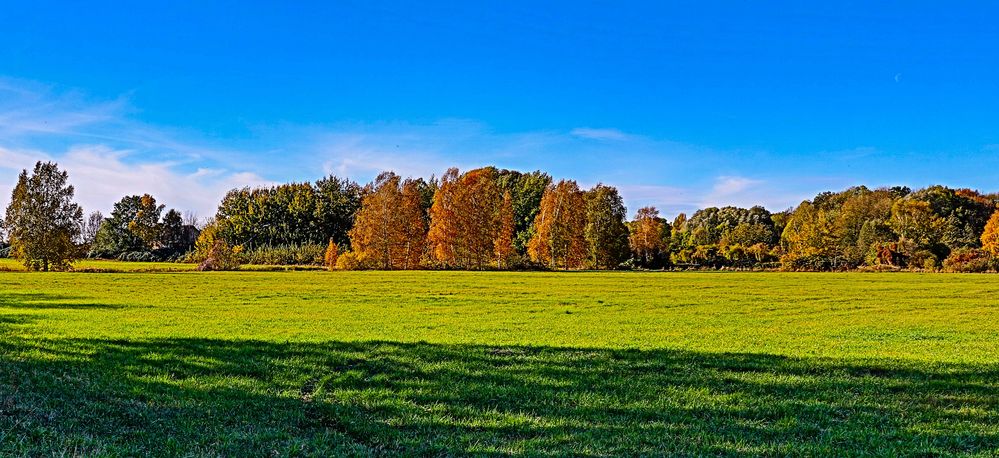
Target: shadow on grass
[(238, 398)]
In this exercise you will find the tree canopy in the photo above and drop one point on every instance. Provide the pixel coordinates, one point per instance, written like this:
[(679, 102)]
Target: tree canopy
[(42, 220)]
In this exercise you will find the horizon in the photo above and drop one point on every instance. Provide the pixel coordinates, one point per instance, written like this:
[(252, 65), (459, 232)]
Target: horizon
[(679, 107)]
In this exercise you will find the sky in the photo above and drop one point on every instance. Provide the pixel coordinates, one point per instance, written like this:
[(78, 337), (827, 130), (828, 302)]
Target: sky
[(681, 105)]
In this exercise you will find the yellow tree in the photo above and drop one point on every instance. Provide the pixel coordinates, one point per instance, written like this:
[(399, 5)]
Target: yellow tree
[(559, 239), (412, 226), (990, 238), (646, 237), (464, 218), (389, 230), (479, 199), (442, 238), (503, 244), (809, 232)]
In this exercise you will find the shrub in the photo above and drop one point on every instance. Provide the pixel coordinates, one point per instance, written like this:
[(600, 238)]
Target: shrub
[(309, 254), (969, 260), (221, 257), (138, 256), (807, 263), (922, 258), (348, 261)]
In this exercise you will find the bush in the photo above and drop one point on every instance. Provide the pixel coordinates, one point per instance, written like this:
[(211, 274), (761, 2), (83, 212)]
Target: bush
[(807, 263), (348, 261), (221, 257), (311, 254), (5, 252), (969, 260), (137, 256), (922, 258)]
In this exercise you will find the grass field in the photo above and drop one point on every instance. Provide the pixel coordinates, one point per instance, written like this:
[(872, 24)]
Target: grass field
[(456, 363)]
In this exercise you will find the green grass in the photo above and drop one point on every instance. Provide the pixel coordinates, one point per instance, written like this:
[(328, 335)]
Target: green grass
[(456, 363)]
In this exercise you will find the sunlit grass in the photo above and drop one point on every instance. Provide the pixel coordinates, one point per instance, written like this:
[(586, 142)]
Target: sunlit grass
[(388, 363)]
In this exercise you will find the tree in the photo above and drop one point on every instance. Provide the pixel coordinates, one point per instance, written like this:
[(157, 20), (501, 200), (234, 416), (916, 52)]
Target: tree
[(413, 224), (145, 224), (331, 255), (809, 239), (558, 239), (389, 228), (646, 238), (526, 190), (175, 237), (443, 234), (89, 228), (464, 218), (914, 221), (133, 226), (479, 199), (42, 219), (606, 232), (503, 245), (337, 202), (291, 214), (990, 237), (212, 252), (862, 208), (963, 212)]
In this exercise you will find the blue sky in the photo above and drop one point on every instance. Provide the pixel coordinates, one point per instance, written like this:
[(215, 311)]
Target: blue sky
[(680, 105)]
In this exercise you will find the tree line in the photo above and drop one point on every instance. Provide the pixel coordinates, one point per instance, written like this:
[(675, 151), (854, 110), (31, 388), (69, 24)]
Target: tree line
[(490, 218)]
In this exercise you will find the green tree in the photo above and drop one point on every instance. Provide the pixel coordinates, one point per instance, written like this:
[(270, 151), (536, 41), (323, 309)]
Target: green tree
[(526, 191), (606, 232), (291, 214), (116, 235), (42, 219), (175, 237), (145, 224)]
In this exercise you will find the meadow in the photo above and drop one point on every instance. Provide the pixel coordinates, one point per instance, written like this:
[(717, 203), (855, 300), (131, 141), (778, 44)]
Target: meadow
[(177, 363)]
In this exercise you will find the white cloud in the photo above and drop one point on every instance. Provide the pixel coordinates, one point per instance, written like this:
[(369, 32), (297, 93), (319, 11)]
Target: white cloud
[(109, 154), (101, 176)]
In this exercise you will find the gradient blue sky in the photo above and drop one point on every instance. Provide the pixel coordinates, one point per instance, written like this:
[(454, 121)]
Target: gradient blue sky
[(680, 105)]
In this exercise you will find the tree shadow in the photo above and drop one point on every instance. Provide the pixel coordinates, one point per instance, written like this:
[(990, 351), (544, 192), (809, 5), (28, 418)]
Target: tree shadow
[(218, 397)]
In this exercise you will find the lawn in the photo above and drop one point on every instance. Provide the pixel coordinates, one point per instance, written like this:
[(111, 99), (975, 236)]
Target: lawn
[(498, 363)]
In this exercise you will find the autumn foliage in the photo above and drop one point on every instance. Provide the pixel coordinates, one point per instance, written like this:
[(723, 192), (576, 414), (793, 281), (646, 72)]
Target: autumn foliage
[(465, 219), (558, 240), (503, 244), (489, 218), (646, 236), (990, 237), (389, 230), (331, 255)]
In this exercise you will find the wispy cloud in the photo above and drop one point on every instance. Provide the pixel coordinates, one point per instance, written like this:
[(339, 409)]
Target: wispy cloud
[(109, 153), (599, 134)]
